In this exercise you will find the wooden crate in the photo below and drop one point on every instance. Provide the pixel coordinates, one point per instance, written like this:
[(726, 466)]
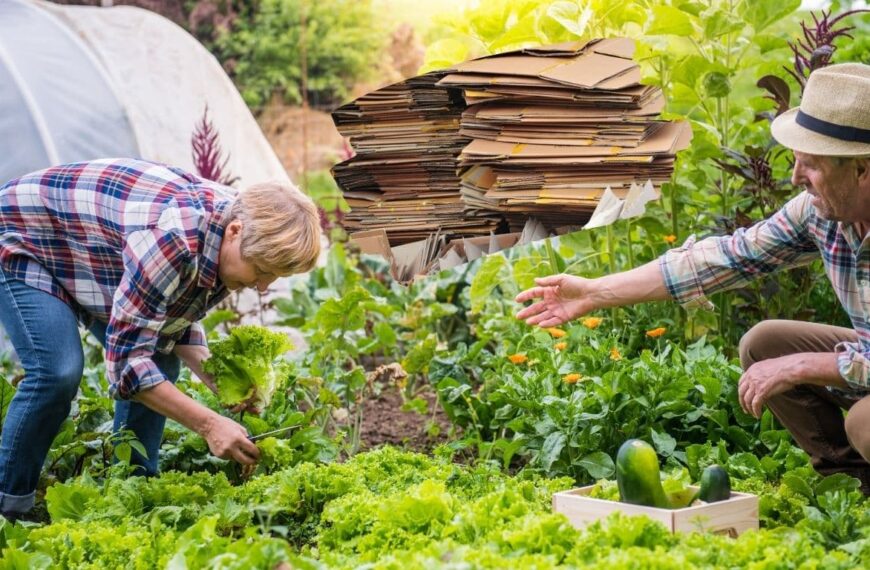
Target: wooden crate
[(732, 517)]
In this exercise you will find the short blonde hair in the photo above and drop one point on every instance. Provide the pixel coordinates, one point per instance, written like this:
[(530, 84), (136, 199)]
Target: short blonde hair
[(280, 228)]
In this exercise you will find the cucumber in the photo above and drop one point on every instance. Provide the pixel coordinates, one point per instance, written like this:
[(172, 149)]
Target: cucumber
[(637, 475), (715, 485)]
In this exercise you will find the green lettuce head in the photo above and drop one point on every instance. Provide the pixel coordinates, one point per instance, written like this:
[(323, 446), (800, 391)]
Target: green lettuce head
[(243, 365)]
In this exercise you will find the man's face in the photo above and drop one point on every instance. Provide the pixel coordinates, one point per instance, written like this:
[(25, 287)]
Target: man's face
[(233, 269), (834, 187)]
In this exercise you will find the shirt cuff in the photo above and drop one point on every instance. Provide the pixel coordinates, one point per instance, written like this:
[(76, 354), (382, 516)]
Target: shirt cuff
[(681, 277), (138, 374), (854, 365)]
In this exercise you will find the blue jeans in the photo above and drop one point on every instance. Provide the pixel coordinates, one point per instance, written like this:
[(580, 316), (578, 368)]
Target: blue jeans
[(45, 333)]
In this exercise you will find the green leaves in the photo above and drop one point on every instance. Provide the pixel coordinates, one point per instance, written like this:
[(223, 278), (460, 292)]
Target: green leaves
[(493, 271), (71, 501), (667, 20), (716, 85), (242, 364), (551, 450), (418, 358), (573, 17), (720, 22), (444, 53), (346, 313), (598, 464), (664, 443), (760, 15)]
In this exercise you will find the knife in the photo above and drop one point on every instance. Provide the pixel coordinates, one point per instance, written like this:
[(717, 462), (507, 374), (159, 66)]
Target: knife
[(268, 433)]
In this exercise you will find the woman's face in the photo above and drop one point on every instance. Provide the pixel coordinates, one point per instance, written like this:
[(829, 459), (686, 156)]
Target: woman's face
[(233, 269)]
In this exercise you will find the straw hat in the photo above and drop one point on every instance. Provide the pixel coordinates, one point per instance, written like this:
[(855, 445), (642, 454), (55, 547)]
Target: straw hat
[(834, 116)]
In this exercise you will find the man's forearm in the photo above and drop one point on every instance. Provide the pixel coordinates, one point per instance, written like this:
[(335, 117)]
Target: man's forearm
[(166, 399), (819, 368), (638, 285)]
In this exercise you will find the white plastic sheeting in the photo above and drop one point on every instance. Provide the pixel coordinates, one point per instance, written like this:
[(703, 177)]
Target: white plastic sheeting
[(78, 83)]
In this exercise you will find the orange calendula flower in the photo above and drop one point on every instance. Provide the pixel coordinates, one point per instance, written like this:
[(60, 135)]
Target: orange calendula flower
[(614, 354), (571, 378), (518, 358), (670, 238), (657, 332), (560, 345), (556, 333), (591, 322)]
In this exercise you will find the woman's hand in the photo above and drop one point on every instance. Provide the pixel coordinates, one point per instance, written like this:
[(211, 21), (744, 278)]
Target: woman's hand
[(229, 440), (563, 298)]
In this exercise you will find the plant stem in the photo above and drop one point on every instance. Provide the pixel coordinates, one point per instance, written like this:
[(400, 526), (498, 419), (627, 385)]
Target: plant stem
[(551, 255), (611, 259)]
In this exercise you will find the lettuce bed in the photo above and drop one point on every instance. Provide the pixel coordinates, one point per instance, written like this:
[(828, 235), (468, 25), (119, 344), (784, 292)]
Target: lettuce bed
[(393, 509)]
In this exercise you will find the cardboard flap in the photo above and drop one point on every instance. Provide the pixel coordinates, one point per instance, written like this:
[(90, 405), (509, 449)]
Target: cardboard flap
[(374, 242), (588, 70), (606, 212), (619, 47)]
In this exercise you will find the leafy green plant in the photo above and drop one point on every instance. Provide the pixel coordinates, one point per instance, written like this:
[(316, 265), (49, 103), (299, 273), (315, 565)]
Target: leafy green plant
[(243, 365)]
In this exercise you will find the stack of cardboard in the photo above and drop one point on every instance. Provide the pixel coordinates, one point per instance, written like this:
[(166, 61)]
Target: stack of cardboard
[(552, 128), (559, 134), (404, 176)]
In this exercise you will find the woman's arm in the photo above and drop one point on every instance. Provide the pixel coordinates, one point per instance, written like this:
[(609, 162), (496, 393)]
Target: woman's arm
[(193, 356), (226, 439)]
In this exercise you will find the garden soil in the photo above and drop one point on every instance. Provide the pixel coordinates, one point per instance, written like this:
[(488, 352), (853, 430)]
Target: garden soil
[(384, 422)]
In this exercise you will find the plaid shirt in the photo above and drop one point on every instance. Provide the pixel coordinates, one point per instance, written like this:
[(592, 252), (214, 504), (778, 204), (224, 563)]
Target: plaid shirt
[(130, 243), (793, 236)]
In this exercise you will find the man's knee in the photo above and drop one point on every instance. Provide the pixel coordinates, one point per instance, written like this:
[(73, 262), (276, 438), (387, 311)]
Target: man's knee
[(858, 427), (754, 344)]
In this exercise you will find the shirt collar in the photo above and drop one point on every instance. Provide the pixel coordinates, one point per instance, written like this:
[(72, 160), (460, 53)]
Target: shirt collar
[(214, 234)]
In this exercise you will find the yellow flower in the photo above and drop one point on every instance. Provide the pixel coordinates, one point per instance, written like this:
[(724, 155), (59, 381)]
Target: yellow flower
[(591, 322), (560, 345), (518, 358), (655, 333), (670, 238), (571, 378), (614, 354), (556, 333)]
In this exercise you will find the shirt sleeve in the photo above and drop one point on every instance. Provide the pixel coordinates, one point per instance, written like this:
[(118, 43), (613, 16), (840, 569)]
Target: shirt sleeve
[(853, 361), (698, 269), (156, 268), (193, 335)]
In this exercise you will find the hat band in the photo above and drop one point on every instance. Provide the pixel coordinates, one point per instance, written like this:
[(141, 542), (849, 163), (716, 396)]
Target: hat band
[(841, 132)]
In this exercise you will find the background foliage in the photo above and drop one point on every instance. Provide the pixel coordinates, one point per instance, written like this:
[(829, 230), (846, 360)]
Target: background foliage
[(263, 50)]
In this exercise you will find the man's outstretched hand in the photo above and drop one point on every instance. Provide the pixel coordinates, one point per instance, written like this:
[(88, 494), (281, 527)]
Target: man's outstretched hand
[(562, 299)]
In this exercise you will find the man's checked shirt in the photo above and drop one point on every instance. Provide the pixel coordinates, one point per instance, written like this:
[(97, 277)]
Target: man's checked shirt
[(794, 236), (128, 242)]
